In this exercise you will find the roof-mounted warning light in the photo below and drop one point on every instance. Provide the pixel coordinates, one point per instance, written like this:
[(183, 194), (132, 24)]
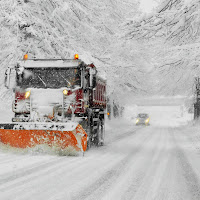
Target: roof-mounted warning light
[(25, 56), (76, 57)]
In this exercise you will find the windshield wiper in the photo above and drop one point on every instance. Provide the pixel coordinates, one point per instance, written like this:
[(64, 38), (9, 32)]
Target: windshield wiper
[(42, 81), (65, 80)]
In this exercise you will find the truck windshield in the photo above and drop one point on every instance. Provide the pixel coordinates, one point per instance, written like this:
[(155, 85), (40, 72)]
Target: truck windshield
[(49, 78)]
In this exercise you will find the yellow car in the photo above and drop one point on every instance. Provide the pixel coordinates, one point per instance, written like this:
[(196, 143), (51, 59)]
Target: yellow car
[(142, 119)]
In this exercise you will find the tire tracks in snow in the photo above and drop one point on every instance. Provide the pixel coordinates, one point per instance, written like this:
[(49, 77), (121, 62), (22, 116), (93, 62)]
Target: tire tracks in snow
[(9, 181), (40, 172), (105, 182), (8, 177), (147, 170), (191, 178), (170, 176), (125, 135), (41, 181), (78, 172)]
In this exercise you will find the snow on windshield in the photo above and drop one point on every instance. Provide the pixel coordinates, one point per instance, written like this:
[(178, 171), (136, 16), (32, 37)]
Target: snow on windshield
[(49, 78)]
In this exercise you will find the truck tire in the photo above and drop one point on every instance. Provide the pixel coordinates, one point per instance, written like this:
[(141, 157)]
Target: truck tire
[(89, 132), (89, 142), (95, 127), (97, 130), (101, 132)]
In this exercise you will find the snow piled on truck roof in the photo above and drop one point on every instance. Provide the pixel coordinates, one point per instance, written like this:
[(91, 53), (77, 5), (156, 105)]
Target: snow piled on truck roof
[(49, 63)]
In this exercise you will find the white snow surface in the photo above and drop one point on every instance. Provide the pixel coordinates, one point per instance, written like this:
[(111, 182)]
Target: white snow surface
[(157, 162), (136, 162)]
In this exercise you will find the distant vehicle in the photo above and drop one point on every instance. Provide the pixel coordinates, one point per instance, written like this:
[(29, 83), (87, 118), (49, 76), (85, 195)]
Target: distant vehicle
[(142, 119)]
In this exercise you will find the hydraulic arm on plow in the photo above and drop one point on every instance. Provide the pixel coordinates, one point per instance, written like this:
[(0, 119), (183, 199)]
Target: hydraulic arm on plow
[(58, 102)]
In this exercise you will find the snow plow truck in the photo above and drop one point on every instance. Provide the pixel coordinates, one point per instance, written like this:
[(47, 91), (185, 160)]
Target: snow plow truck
[(57, 102)]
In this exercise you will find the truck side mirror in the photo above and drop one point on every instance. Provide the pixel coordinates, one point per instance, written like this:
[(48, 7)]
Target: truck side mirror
[(10, 78), (94, 81), (93, 78), (7, 78)]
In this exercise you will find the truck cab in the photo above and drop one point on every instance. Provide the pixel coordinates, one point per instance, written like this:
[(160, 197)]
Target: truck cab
[(58, 90)]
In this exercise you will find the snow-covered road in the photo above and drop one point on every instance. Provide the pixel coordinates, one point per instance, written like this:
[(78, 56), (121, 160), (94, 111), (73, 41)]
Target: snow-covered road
[(139, 163)]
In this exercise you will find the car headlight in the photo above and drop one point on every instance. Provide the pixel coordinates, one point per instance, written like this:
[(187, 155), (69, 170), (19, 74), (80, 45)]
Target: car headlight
[(137, 120), (147, 120)]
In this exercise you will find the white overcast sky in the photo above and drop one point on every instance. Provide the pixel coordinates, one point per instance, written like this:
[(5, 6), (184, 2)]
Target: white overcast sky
[(147, 5)]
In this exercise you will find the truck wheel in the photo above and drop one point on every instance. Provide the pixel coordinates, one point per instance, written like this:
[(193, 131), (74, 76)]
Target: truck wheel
[(89, 132), (89, 142), (101, 133), (96, 134), (96, 129)]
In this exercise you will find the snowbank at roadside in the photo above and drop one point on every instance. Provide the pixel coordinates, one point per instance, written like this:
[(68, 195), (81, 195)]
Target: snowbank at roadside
[(192, 129)]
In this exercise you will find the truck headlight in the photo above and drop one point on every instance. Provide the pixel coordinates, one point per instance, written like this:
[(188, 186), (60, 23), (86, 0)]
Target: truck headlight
[(27, 94), (137, 120), (65, 92)]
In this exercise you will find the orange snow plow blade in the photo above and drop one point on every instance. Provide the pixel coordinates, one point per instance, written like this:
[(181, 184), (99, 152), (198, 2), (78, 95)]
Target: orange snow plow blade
[(24, 136)]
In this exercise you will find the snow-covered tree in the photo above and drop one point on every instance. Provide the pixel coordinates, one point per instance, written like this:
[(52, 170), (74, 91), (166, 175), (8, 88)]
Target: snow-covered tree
[(60, 28), (172, 34)]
